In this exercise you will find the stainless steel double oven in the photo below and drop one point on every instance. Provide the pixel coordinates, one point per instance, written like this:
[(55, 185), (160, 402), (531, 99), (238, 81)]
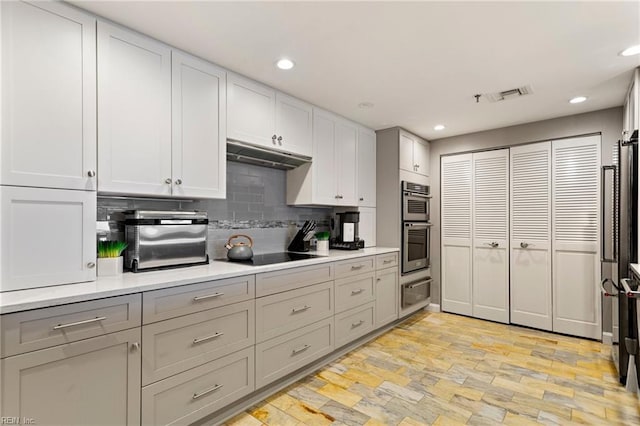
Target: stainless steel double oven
[(416, 232), (416, 228)]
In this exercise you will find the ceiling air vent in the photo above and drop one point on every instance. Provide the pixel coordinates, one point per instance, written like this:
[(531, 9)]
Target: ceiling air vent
[(508, 94)]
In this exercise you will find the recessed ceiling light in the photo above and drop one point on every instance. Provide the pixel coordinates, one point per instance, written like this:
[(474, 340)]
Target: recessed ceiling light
[(438, 127), (577, 99), (365, 105), (285, 64), (630, 51)]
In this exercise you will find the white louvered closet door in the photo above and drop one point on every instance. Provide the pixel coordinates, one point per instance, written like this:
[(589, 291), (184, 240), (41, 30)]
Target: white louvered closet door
[(576, 235), (456, 193), (530, 289), (491, 235)]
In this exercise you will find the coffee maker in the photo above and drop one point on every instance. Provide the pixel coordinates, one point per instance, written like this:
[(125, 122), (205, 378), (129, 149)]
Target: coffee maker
[(347, 236)]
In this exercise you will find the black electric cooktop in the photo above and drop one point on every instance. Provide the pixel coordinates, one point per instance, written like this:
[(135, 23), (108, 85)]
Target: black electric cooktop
[(270, 258)]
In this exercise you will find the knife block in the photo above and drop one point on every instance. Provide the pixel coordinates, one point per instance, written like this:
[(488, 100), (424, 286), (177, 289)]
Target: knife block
[(298, 243)]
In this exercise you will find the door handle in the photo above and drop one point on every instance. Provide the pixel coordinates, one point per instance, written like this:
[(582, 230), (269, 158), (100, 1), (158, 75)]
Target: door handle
[(614, 254)]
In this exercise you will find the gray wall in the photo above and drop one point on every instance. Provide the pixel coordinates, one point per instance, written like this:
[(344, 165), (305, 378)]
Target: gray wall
[(608, 122), (255, 205)]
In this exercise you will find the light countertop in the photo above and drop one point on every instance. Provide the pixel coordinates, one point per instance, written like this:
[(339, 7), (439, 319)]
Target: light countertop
[(129, 282)]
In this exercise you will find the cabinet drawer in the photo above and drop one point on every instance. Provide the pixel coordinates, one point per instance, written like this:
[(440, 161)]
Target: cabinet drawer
[(94, 381), (187, 299), (284, 312), (172, 346), (386, 260), (42, 328), (189, 396), (349, 268), (289, 279), (285, 354), (351, 292), (354, 323)]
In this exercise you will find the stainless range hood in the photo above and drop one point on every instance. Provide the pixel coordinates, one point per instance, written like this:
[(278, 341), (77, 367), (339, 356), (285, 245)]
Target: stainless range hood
[(252, 154)]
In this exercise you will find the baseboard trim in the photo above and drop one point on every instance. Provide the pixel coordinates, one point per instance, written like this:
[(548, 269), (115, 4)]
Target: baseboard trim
[(607, 338), (432, 307)]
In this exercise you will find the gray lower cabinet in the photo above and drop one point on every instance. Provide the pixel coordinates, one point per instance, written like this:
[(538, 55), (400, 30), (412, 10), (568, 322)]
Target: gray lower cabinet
[(91, 382), (354, 291), (285, 354), (280, 313), (354, 323), (172, 346), (387, 295), (193, 394)]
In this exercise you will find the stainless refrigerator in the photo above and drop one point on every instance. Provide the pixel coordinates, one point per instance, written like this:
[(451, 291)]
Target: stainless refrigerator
[(620, 221)]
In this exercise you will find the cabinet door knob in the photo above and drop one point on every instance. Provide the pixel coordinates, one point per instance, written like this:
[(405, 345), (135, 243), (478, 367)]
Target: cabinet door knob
[(524, 245), (280, 140), (273, 139), (91, 265), (361, 198), (167, 181), (135, 346), (178, 181), (91, 173)]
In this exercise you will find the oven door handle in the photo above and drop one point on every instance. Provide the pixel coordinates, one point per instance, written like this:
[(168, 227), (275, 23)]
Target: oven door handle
[(418, 284), (417, 225), (416, 194)]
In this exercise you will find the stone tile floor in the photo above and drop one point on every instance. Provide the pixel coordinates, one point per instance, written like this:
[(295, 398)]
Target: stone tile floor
[(444, 369)]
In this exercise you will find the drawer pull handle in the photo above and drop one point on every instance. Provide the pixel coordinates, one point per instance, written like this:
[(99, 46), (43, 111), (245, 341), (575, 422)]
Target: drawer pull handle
[(358, 291), (357, 324), (73, 324), (296, 310), (384, 262), (301, 349), (204, 339), (208, 296), (355, 268), (206, 392)]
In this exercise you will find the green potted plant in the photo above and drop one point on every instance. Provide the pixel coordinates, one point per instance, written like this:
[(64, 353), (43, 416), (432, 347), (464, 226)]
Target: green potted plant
[(322, 245), (110, 261)]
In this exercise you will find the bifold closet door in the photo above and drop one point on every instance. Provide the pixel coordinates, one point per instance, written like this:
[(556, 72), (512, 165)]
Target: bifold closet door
[(530, 287), (456, 197), (576, 221), (491, 235)]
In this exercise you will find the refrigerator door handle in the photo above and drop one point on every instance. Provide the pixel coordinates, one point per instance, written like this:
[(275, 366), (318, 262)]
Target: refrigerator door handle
[(614, 254), (634, 294)]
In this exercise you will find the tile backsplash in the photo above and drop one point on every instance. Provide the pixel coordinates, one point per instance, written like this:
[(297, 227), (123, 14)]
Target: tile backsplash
[(255, 205)]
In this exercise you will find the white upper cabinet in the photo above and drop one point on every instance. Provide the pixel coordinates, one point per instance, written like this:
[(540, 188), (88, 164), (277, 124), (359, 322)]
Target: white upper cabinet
[(251, 111), (414, 153), (134, 113), (293, 125), (47, 237), (48, 96), (332, 178), (366, 168), (199, 128), (345, 162), (150, 142), (259, 115)]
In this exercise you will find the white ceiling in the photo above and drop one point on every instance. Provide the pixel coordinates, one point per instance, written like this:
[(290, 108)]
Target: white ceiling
[(420, 63)]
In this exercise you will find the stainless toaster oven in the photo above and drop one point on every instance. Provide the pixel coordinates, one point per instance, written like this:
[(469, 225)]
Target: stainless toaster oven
[(165, 239)]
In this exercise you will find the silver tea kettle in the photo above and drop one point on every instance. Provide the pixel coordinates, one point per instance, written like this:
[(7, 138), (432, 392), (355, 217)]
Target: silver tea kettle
[(241, 250)]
